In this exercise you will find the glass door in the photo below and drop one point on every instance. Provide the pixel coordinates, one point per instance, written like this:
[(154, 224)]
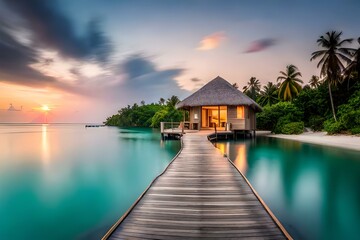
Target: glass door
[(213, 115)]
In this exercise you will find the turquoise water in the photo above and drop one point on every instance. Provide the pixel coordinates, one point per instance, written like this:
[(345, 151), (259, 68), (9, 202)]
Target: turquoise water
[(72, 182), (313, 190)]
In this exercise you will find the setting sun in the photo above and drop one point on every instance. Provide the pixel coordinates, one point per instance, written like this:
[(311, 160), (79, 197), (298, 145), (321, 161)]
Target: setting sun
[(45, 108)]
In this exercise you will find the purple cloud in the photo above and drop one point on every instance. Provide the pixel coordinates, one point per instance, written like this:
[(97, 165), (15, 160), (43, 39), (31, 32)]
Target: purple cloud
[(260, 45)]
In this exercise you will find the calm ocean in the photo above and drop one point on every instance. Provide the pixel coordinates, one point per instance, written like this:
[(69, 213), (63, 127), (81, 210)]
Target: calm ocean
[(65, 181), (313, 190)]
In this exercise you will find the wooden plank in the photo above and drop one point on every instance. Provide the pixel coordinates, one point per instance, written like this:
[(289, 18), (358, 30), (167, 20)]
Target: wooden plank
[(200, 195)]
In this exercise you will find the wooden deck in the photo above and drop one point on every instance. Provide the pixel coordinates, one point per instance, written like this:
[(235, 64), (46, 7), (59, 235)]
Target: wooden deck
[(200, 195)]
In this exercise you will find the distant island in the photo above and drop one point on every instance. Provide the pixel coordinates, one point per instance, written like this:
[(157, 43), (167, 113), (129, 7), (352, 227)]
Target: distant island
[(147, 115)]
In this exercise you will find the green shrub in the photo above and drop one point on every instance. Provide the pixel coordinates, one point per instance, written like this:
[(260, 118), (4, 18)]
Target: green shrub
[(281, 123), (355, 130), (166, 115), (349, 115), (313, 102), (351, 119), (332, 127), (316, 123), (293, 128), (274, 117), (158, 117)]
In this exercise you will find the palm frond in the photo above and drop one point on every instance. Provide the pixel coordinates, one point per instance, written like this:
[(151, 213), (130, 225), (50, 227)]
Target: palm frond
[(348, 40), (283, 73), (345, 58), (298, 80), (323, 59), (317, 54)]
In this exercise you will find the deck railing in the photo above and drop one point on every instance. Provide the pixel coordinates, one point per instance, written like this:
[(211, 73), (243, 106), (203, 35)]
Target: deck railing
[(171, 127)]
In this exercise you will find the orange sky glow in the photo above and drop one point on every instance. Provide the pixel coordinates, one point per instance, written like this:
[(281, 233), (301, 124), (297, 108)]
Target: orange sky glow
[(85, 63)]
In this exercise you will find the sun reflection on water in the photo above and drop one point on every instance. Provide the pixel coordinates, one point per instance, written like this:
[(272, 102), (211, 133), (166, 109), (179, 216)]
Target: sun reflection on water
[(45, 149)]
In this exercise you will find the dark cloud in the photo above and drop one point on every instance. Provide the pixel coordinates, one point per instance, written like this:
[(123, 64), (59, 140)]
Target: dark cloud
[(260, 45), (137, 66), (50, 28), (143, 79), (15, 65), (75, 71), (46, 28), (195, 80), (136, 77), (142, 72), (15, 59)]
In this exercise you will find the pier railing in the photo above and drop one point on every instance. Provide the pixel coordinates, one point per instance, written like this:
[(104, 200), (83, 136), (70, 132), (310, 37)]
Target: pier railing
[(169, 127)]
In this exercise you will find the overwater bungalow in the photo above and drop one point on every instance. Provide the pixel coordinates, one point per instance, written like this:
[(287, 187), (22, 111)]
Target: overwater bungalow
[(219, 104)]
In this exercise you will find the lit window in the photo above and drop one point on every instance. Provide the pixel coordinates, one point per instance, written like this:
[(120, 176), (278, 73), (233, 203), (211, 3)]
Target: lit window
[(240, 112)]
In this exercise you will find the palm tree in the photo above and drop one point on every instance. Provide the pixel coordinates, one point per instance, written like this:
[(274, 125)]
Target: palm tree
[(306, 87), (290, 85), (353, 68), (253, 88), (268, 96), (171, 102), (314, 81), (355, 63), (332, 57), (162, 101)]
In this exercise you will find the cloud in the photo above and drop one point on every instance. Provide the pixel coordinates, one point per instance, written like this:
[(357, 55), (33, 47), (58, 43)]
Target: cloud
[(40, 48), (260, 45), (137, 78), (143, 79), (15, 60), (211, 41), (51, 29), (17, 63), (136, 66), (195, 80)]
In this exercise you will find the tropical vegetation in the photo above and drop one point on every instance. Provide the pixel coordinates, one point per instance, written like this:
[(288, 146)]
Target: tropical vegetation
[(290, 83), (252, 88), (269, 95), (330, 101), (333, 56), (314, 81), (147, 115)]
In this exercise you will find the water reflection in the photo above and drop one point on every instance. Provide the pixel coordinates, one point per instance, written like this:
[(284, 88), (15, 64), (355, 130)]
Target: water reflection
[(313, 190), (240, 159), (238, 154), (45, 149), (80, 179)]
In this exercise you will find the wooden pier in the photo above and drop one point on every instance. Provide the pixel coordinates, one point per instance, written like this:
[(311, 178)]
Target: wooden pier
[(201, 194), (94, 125)]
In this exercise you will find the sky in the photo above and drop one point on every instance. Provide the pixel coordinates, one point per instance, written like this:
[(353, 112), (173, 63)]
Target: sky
[(82, 60)]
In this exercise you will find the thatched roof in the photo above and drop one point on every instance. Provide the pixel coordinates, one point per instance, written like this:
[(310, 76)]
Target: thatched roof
[(218, 92)]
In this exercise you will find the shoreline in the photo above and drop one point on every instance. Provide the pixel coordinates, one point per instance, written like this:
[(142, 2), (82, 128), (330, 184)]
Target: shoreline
[(320, 138)]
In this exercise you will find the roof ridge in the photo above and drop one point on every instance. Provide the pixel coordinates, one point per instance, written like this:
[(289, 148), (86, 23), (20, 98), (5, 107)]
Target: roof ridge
[(218, 91)]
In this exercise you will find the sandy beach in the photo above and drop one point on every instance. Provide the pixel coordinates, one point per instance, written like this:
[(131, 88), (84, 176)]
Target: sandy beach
[(343, 141)]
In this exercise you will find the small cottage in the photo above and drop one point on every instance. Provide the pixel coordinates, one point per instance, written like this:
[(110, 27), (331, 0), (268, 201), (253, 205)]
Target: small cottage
[(221, 104)]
